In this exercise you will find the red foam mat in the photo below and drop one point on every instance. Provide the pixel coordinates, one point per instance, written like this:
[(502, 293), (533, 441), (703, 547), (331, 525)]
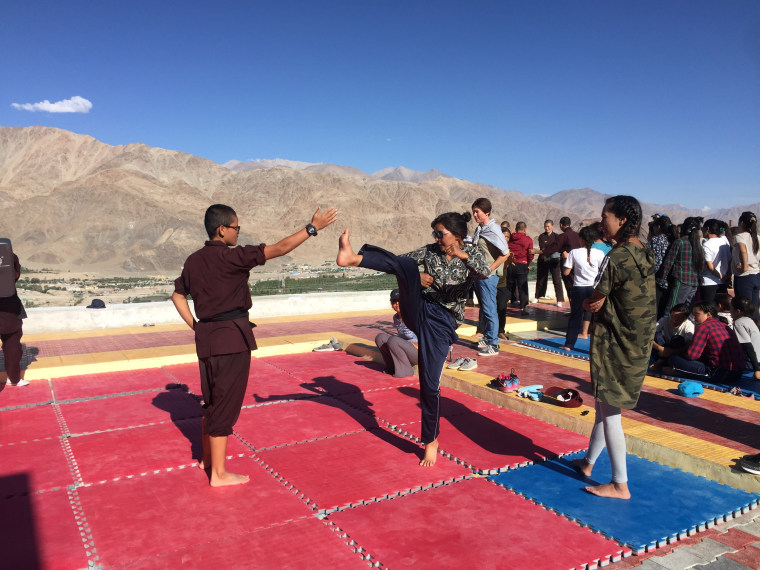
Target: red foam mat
[(158, 513), (401, 405), (27, 424), (187, 374), (132, 410), (299, 420), (367, 464), (318, 362), (112, 454), (40, 531), (486, 527), (24, 458), (104, 383), (494, 439), (37, 392), (303, 543)]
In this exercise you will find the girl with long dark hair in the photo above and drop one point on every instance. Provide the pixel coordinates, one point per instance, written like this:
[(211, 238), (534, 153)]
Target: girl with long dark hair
[(746, 256), (624, 303), (682, 265)]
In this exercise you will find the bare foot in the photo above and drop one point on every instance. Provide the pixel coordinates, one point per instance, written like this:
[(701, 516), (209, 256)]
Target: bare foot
[(583, 466), (610, 490), (346, 255), (583, 336), (757, 375), (228, 479), (431, 454), (567, 348)]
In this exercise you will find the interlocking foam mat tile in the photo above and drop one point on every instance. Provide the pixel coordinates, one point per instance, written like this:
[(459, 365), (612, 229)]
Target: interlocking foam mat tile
[(141, 449), (368, 464), (40, 531), (270, 384), (38, 392), (161, 512), (486, 528), (502, 438), (24, 458), (27, 424), (580, 350), (316, 362), (401, 405), (105, 383), (187, 374), (665, 502), (747, 384), (299, 421), (131, 410), (303, 543)]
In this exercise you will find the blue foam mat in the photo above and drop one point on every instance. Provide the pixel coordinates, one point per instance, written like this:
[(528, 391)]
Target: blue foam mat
[(747, 384), (580, 350), (665, 502)]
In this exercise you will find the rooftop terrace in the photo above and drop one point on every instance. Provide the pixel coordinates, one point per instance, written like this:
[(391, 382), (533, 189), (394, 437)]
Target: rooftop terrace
[(99, 453)]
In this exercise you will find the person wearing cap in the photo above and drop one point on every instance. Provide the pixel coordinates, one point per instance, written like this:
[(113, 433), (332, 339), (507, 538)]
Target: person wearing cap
[(399, 351), (11, 330)]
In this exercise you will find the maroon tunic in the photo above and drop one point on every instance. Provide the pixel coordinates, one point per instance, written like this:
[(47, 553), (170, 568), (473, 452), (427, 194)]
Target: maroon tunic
[(216, 277)]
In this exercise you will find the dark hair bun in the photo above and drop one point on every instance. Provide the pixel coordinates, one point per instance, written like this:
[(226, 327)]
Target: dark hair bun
[(467, 216)]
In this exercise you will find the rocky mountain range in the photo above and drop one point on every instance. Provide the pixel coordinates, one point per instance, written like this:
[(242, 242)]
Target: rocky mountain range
[(70, 202)]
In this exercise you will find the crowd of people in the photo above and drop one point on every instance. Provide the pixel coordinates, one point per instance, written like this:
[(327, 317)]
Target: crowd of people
[(660, 303)]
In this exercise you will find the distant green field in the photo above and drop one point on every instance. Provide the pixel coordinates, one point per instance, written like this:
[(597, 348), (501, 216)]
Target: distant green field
[(324, 283)]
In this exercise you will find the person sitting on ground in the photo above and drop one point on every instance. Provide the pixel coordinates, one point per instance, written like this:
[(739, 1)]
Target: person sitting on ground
[(490, 239), (435, 310), (547, 264), (399, 351), (714, 355), (747, 332), (584, 263), (723, 304), (567, 241), (216, 276), (672, 335), (682, 265), (717, 254), (521, 245), (501, 288)]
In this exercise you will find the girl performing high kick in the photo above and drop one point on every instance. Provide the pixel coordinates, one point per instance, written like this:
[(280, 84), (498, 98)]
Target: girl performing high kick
[(432, 302)]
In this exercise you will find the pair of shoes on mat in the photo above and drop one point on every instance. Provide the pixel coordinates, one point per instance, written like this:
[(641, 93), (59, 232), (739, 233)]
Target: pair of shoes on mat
[(505, 383), (463, 363), (21, 382), (488, 350), (751, 464), (329, 347), (533, 392)]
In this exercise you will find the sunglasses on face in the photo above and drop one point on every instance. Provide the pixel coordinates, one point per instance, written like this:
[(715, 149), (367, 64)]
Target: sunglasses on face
[(438, 234)]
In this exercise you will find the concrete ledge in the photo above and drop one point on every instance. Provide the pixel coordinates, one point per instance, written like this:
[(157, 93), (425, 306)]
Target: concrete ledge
[(69, 319)]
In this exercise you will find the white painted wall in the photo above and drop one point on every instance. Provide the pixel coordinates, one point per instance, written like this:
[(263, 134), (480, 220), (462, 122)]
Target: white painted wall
[(67, 319)]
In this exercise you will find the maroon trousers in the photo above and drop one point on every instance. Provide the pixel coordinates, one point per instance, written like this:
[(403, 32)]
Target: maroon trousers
[(12, 353), (224, 379)]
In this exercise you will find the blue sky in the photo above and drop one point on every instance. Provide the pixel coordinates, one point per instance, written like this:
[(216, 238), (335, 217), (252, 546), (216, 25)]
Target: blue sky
[(659, 99)]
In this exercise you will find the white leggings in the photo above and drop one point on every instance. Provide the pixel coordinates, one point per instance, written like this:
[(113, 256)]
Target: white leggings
[(608, 429)]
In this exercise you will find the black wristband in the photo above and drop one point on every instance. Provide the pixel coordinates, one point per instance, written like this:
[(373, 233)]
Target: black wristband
[(311, 230)]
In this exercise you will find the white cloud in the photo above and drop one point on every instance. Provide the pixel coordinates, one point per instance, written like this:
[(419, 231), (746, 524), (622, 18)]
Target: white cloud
[(76, 104)]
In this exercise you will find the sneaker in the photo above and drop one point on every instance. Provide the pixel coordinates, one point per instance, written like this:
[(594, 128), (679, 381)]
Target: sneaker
[(482, 342), (469, 364), (21, 382), (559, 305), (457, 363), (535, 300), (335, 344), (488, 350), (751, 464), (327, 347)]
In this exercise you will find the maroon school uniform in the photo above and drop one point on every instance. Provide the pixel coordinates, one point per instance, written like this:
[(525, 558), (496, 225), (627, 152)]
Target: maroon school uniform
[(216, 277)]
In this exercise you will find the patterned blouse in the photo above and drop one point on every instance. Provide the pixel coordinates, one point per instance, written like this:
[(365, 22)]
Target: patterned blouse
[(660, 245), (452, 280)]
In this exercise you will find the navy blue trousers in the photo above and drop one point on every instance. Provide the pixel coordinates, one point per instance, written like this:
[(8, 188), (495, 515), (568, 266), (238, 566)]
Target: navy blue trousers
[(433, 324)]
